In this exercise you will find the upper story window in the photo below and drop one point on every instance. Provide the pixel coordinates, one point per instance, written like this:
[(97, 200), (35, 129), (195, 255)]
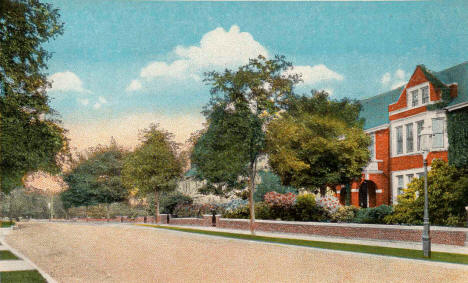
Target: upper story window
[(399, 136), (418, 95), (437, 132), (409, 138), (419, 127), (400, 184), (372, 147)]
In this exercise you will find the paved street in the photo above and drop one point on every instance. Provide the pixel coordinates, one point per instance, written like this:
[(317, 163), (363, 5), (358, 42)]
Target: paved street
[(122, 253)]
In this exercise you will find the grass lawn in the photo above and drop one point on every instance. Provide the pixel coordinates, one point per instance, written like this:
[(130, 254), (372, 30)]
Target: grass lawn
[(5, 224), (28, 276), (7, 255), (397, 252)]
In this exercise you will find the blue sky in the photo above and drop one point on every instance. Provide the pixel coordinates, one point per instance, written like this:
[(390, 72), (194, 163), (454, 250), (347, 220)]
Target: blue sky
[(123, 64)]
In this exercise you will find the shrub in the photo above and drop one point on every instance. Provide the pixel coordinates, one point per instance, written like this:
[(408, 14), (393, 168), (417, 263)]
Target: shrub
[(280, 200), (447, 194), (373, 215), (168, 202), (241, 212), (345, 214), (328, 202), (306, 209), (234, 204), (270, 183)]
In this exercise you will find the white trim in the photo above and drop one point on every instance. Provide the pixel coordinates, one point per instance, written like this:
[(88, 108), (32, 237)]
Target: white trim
[(457, 106), (378, 191), (354, 190), (378, 128)]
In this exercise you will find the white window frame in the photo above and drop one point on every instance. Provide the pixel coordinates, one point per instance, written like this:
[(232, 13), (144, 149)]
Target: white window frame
[(416, 172), (417, 90)]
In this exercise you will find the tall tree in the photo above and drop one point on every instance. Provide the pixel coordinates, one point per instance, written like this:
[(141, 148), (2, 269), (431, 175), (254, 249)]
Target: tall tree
[(318, 142), (153, 167), (242, 101), (97, 179), (30, 138)]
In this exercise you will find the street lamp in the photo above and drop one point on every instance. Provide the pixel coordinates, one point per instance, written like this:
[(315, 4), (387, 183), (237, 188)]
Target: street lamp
[(425, 138)]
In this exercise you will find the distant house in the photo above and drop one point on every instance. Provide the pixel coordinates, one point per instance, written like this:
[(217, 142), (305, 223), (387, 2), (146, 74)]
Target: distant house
[(394, 121)]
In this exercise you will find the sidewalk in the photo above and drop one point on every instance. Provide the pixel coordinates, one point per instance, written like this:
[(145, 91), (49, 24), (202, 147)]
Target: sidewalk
[(380, 243), (21, 264)]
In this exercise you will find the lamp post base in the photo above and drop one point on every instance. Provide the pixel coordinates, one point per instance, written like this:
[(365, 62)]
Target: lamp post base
[(426, 246)]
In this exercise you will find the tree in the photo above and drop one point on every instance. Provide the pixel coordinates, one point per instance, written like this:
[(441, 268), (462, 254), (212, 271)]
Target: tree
[(318, 142), (270, 183), (153, 166), (30, 138), (97, 179), (447, 194), (242, 101)]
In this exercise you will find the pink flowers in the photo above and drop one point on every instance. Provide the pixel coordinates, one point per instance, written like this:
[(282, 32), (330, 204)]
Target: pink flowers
[(331, 203), (280, 200)]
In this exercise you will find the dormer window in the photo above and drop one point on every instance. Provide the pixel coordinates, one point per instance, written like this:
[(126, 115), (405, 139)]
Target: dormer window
[(415, 98), (418, 95)]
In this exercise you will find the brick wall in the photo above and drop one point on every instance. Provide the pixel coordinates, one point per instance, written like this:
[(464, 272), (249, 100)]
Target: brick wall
[(439, 235)]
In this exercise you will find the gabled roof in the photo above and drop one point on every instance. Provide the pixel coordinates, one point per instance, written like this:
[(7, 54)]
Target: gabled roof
[(375, 109)]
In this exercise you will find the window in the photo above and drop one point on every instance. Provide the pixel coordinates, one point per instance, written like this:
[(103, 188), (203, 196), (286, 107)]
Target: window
[(425, 95), (414, 98), (409, 177), (399, 184), (372, 146), (437, 132), (419, 127), (420, 175), (409, 138), (399, 136)]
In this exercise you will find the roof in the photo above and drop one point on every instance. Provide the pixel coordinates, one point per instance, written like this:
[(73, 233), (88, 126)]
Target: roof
[(375, 109)]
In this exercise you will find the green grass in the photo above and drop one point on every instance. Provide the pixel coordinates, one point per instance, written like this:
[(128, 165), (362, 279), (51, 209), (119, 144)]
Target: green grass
[(386, 251), (28, 276), (5, 224), (7, 255)]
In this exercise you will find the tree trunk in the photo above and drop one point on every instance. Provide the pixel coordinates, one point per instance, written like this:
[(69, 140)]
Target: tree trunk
[(156, 207), (51, 207), (253, 169), (86, 212)]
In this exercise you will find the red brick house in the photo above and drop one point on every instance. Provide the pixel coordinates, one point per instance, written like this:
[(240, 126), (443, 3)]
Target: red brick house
[(394, 120)]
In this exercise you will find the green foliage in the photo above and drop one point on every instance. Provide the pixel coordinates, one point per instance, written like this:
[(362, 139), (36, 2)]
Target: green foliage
[(373, 215), (447, 194), (26, 204), (30, 138), (168, 202), (345, 214), (457, 131), (270, 183), (224, 152), (306, 209), (96, 179), (193, 210), (314, 145), (154, 165)]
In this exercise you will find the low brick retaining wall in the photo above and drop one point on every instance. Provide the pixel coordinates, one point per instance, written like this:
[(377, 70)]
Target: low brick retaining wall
[(439, 235)]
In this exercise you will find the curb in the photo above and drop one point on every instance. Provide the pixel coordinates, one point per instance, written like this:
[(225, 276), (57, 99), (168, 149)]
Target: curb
[(23, 257)]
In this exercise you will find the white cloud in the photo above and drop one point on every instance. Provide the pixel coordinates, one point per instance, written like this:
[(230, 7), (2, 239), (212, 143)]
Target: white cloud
[(218, 49), (134, 85), (329, 91), (314, 74), (399, 78), (66, 81), (386, 78), (84, 101), (102, 100), (125, 129), (97, 105)]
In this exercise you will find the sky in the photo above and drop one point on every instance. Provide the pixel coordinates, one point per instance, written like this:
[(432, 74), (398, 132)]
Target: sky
[(121, 65)]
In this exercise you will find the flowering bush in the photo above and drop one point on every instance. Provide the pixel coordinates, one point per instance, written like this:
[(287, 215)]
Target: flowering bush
[(234, 204), (329, 202), (345, 214), (280, 200), (194, 210)]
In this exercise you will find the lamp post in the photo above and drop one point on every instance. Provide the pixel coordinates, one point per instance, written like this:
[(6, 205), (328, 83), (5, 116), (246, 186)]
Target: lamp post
[(425, 138)]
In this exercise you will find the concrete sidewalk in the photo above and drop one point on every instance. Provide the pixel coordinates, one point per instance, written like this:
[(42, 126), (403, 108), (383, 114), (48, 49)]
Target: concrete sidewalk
[(380, 243), (21, 264)]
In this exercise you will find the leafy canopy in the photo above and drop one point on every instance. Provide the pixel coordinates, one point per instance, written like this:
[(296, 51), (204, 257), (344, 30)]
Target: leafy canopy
[(241, 102), (97, 179), (153, 166), (447, 194), (318, 142), (30, 138)]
